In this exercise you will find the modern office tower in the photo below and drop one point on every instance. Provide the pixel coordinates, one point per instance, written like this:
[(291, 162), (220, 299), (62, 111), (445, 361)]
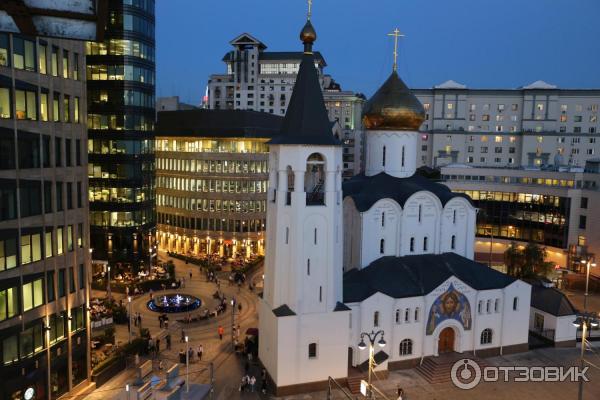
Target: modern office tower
[(121, 114), (212, 177), (551, 208), (44, 249), (532, 126)]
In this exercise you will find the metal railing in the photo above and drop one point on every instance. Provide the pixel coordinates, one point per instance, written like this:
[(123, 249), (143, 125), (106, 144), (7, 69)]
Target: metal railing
[(339, 387)]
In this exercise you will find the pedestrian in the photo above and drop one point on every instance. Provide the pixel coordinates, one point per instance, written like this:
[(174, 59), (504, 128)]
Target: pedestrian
[(221, 331), (400, 393), (200, 352), (166, 320), (243, 384), (140, 320), (160, 365), (135, 319), (240, 307), (190, 275), (160, 321), (168, 339), (191, 354), (252, 383), (263, 386), (182, 336), (181, 356), (151, 346), (263, 374), (157, 346)]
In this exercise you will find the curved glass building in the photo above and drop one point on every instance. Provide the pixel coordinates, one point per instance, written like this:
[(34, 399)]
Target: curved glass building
[(121, 77)]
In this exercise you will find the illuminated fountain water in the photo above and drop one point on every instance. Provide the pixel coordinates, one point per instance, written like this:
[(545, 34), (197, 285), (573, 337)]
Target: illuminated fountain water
[(174, 303)]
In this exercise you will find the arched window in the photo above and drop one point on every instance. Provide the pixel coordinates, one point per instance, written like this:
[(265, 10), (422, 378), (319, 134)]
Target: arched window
[(397, 316), (383, 157), (486, 336), (515, 303), (308, 267), (290, 186), (312, 350), (479, 306), (425, 243), (403, 156), (412, 244), (406, 347), (382, 246), (383, 218), (315, 238), (314, 180), (420, 211), (417, 314), (488, 306), (453, 216), (287, 235), (453, 242), (376, 318), (407, 315)]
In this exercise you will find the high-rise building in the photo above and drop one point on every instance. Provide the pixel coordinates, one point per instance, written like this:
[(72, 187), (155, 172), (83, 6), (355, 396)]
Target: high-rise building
[(121, 114), (44, 248), (532, 126), (262, 80)]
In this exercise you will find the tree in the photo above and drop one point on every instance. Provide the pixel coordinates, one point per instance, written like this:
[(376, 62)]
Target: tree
[(513, 259)]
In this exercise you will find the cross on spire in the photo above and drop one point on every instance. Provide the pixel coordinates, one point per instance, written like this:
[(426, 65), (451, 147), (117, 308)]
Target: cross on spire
[(309, 14), (396, 34)]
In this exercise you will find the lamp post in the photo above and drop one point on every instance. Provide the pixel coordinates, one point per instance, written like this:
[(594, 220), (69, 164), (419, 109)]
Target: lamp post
[(187, 365), (129, 316), (372, 337), (585, 321), (232, 322), (108, 292)]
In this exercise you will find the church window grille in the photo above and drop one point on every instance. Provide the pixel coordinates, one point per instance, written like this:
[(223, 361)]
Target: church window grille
[(420, 212), (382, 246), (496, 305), (308, 267), (406, 347), (407, 315), (412, 244), (320, 294), (287, 235), (453, 242), (383, 157), (376, 319), (515, 303), (425, 243), (403, 156), (486, 336), (383, 219), (417, 314), (397, 316), (312, 350)]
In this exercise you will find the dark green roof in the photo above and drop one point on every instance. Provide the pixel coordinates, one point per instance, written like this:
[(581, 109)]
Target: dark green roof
[(419, 275), (367, 190), (283, 311), (552, 301), (306, 121)]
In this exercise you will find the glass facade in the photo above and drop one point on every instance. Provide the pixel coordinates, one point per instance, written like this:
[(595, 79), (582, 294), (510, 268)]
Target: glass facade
[(542, 219), (120, 99), (211, 195), (43, 218)]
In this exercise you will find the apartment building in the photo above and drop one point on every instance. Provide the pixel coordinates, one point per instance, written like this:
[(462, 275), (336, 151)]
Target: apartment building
[(532, 126)]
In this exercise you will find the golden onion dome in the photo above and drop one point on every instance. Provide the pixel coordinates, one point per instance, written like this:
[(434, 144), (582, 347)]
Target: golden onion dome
[(308, 35), (393, 107)]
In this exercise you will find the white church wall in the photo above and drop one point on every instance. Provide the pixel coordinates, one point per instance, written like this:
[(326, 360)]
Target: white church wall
[(421, 222), (406, 326), (381, 222), (516, 316), (295, 334), (400, 153), (458, 218), (352, 235), (268, 349), (564, 330)]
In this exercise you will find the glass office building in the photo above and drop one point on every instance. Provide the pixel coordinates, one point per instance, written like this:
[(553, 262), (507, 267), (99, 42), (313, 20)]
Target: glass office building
[(44, 251), (121, 113)]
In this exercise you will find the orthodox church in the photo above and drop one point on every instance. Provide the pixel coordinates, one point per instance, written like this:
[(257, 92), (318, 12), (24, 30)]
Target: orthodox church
[(388, 250)]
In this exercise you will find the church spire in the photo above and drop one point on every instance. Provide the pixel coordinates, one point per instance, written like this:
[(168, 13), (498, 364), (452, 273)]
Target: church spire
[(306, 120)]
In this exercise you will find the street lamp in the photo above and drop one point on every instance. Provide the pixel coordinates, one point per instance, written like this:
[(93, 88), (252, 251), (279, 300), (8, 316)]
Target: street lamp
[(108, 292), (187, 365), (585, 320), (372, 337), (232, 321), (129, 316)]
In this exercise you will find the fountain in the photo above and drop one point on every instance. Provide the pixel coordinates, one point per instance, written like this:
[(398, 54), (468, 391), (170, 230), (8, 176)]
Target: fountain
[(174, 303)]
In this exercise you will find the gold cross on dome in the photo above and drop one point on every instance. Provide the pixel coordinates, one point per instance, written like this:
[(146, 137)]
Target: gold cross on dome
[(309, 14), (396, 34)]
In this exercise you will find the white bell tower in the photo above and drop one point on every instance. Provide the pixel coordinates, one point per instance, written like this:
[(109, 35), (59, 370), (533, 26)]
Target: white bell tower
[(303, 323)]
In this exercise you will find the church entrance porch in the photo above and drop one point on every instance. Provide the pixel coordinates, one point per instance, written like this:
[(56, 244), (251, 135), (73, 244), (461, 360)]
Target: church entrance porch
[(446, 341)]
